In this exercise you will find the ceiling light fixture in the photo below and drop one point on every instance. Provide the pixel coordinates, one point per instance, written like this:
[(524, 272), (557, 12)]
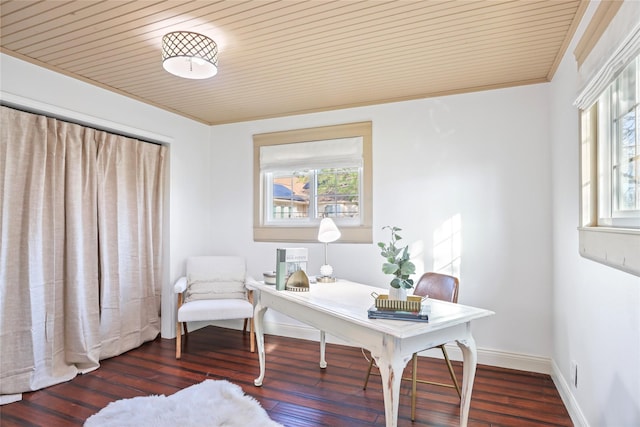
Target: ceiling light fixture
[(189, 55)]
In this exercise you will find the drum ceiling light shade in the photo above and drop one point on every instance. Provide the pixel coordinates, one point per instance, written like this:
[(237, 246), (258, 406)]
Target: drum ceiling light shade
[(189, 55)]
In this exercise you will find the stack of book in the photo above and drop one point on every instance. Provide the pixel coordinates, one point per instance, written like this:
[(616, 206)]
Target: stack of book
[(417, 316), (288, 261)]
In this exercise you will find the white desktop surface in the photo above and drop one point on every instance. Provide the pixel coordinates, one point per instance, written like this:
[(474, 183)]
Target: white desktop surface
[(340, 309)]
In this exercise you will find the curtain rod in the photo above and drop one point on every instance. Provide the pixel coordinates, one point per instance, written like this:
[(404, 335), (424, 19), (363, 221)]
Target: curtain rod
[(88, 124)]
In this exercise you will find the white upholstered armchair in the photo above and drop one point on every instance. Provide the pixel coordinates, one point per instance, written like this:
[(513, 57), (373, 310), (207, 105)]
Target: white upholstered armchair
[(213, 289)]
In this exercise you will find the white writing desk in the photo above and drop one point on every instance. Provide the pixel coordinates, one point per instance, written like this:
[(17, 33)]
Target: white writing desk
[(341, 310)]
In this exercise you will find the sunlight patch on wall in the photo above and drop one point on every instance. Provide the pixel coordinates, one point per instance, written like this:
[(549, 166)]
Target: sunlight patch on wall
[(447, 246), (416, 249)]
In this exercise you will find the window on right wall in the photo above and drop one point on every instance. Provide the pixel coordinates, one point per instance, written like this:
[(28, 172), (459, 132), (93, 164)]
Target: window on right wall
[(611, 126), (609, 230)]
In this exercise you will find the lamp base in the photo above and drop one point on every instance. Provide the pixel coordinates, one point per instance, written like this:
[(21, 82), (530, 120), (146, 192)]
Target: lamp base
[(326, 279)]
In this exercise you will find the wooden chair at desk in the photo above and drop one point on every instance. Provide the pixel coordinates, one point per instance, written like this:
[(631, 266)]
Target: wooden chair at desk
[(440, 287)]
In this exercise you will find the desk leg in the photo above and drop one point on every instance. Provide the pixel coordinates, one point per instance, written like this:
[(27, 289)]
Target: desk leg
[(470, 360), (391, 367), (258, 316), (323, 344)]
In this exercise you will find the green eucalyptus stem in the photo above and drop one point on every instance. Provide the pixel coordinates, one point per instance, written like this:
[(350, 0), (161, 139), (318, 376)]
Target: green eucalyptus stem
[(398, 261)]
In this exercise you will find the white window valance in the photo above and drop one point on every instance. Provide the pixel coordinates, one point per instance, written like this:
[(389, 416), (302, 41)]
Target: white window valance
[(620, 44), (330, 153)]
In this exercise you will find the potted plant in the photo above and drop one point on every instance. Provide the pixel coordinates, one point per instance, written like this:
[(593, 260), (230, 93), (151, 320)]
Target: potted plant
[(398, 264)]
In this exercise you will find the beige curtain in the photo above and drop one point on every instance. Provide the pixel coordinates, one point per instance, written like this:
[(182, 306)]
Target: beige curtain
[(130, 175), (80, 245)]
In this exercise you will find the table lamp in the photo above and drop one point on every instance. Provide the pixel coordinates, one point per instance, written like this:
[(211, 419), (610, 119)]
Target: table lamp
[(328, 232)]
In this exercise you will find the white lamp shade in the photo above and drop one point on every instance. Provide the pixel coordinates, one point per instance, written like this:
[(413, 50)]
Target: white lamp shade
[(328, 231), (189, 55)]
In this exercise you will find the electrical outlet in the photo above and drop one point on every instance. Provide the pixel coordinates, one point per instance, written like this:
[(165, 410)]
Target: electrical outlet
[(574, 373)]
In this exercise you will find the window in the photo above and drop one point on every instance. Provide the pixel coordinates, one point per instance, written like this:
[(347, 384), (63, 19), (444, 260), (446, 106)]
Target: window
[(609, 229), (307, 195), (305, 175), (618, 150)]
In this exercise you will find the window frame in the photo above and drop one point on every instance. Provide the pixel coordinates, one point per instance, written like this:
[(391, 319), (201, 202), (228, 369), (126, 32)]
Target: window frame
[(604, 237), (269, 219), (609, 42), (308, 232), (604, 110)]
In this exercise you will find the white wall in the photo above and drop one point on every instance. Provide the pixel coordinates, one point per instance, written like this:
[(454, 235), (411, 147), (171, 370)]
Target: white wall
[(188, 143), (596, 315), (505, 160), (483, 156)]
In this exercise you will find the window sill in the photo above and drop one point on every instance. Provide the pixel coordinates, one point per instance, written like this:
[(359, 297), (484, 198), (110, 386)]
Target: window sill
[(310, 234), (616, 247)]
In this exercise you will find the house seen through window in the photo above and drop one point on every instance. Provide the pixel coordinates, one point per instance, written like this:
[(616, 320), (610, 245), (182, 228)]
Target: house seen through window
[(305, 175), (315, 194)]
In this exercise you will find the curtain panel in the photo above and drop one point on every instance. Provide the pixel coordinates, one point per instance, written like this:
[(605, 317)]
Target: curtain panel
[(80, 248)]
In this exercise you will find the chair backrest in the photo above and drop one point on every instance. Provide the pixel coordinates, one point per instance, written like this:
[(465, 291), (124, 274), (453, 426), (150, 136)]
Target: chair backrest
[(220, 266), (215, 278), (438, 286)]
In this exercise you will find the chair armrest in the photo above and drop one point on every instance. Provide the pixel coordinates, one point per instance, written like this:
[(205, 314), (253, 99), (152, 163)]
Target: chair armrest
[(181, 285), (250, 282)]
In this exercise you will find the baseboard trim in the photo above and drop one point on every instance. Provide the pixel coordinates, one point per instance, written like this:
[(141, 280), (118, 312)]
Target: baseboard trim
[(5, 399), (501, 359), (486, 356), (569, 400)]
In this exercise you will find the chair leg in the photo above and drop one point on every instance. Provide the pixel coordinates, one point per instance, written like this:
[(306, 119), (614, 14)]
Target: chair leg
[(252, 336), (451, 372), (414, 378), (252, 333), (178, 340), (366, 380), (252, 330), (179, 337)]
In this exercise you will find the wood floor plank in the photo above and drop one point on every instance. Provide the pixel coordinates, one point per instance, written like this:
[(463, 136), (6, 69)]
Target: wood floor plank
[(296, 392)]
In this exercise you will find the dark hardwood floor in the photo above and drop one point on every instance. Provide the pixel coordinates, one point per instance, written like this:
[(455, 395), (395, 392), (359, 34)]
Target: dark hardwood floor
[(296, 392)]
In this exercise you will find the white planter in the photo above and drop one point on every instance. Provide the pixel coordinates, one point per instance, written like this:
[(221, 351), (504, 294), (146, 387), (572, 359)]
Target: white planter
[(397, 293)]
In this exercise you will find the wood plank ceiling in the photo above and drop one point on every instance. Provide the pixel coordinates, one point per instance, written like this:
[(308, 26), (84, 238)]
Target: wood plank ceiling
[(278, 58)]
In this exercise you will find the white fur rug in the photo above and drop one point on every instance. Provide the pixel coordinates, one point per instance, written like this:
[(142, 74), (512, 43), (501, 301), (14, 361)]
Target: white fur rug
[(208, 404)]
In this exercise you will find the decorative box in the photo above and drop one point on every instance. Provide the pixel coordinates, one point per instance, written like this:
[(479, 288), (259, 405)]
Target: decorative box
[(412, 303)]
